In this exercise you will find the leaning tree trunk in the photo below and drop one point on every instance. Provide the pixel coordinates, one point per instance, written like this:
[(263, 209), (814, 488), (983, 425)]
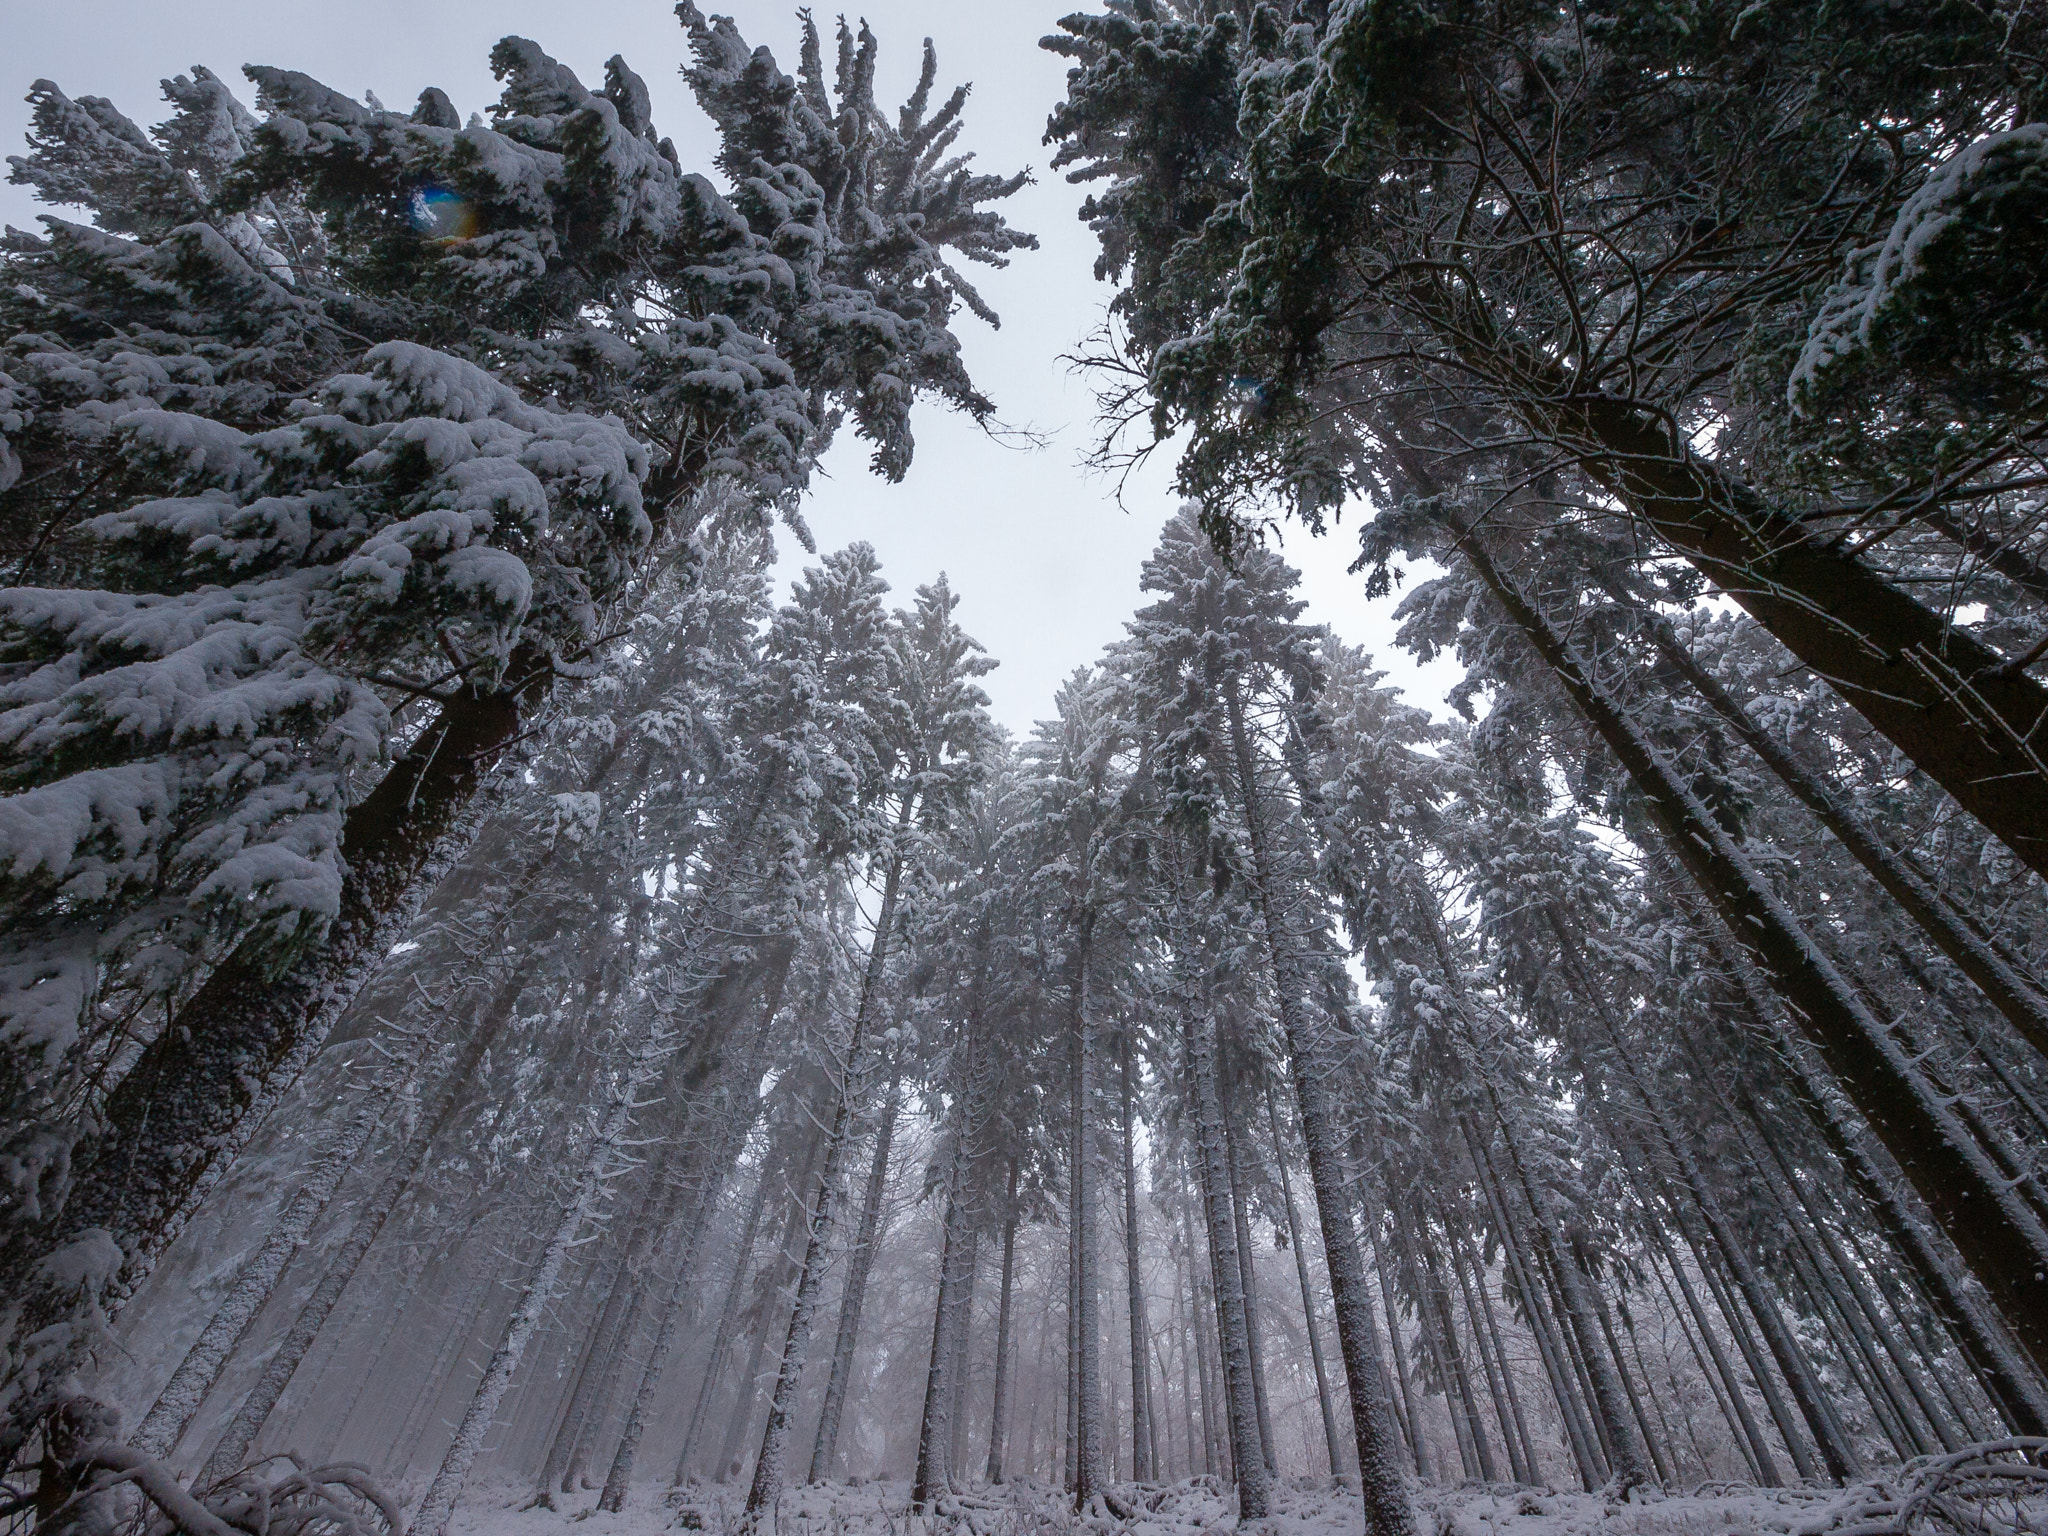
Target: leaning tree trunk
[(235, 1318), (619, 1479), (934, 1433), (1570, 1411), (731, 1141), (1247, 1256), (1608, 1397), (1976, 954), (1090, 1476), (1950, 703), (232, 1449), (728, 1322), (1409, 1415), (2014, 1389), (1489, 1367), (1994, 1229)]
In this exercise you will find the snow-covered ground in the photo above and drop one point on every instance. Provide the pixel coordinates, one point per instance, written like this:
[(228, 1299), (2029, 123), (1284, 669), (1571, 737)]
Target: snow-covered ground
[(1184, 1509)]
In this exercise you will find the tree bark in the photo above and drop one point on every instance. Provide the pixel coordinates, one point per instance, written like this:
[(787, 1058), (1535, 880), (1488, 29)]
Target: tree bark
[(1246, 1452), (728, 1320), (935, 1427), (859, 1260), (195, 1095), (1332, 1441), (1947, 701), (233, 1447), (1388, 1511), (999, 1408), (1142, 1469), (769, 1467), (1992, 1227), (1249, 1278), (1977, 955), (439, 1503)]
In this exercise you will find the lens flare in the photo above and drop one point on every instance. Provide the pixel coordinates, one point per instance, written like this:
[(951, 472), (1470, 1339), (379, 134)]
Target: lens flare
[(444, 217)]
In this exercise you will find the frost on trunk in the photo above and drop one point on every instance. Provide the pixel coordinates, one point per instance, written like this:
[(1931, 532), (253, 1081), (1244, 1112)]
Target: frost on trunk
[(1991, 1224), (236, 1440), (935, 1427), (1331, 1442), (1089, 1474), (733, 1128), (728, 1324), (1978, 955)]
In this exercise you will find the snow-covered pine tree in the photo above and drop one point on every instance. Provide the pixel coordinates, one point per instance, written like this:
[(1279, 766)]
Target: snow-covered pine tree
[(457, 571), (1279, 192)]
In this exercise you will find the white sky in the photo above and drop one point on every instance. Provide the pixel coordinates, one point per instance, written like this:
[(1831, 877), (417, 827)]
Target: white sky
[(1044, 559)]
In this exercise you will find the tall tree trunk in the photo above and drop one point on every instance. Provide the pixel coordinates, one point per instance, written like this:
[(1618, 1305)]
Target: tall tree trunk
[(1531, 1471), (1246, 1452), (1858, 1307), (560, 1464), (1489, 1367), (859, 1260), (1248, 1275), (1949, 702), (1621, 1370), (1719, 1377), (1608, 1400), (1993, 1228), (232, 1449), (1142, 1468), (1388, 1511), (2006, 1376), (1976, 954), (999, 1408), (770, 1471), (1201, 1309), (957, 1354), (1451, 1352), (935, 1437), (598, 1167), (235, 1318), (728, 1321), (1557, 1370), (1332, 1441), (187, 1107), (618, 1480), (731, 1141), (1090, 1477), (1411, 1415)]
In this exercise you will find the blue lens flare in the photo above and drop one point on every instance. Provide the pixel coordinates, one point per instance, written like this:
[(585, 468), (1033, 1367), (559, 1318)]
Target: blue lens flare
[(444, 217)]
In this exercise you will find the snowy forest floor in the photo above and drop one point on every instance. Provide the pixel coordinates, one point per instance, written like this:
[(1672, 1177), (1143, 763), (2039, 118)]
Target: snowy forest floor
[(882, 1508)]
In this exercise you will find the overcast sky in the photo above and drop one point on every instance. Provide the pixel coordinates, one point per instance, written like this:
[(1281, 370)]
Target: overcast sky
[(1045, 560)]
